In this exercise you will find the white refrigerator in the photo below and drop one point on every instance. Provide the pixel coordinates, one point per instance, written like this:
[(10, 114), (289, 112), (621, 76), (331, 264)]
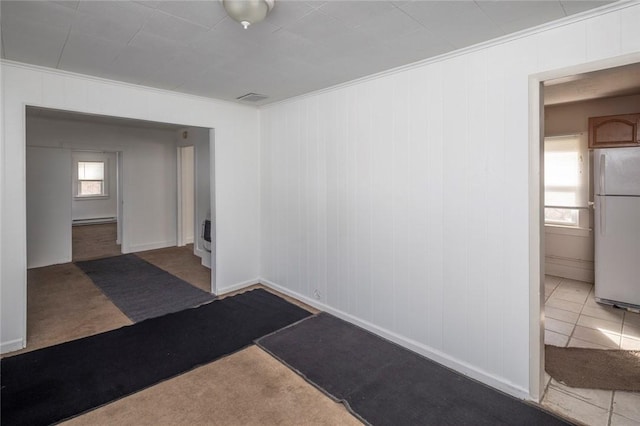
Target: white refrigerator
[(617, 226)]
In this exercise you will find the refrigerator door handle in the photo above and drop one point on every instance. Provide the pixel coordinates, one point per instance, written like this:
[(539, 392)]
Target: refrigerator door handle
[(603, 169), (603, 210)]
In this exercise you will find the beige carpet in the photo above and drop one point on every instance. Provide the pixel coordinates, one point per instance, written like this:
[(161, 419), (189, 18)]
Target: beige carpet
[(181, 262), (247, 388), (607, 369), (94, 241), (63, 304)]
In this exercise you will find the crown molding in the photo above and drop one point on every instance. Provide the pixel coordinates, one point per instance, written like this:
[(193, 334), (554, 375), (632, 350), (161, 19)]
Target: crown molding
[(613, 7), (578, 17), (64, 73)]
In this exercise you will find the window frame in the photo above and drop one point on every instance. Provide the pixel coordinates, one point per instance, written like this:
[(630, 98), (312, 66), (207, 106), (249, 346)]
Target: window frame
[(77, 159)]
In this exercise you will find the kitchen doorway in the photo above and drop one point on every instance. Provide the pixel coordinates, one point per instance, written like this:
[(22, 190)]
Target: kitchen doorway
[(563, 228)]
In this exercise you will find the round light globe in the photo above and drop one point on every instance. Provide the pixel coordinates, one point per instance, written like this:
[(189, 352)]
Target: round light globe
[(248, 12)]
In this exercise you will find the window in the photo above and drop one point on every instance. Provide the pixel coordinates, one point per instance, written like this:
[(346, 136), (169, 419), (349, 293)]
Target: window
[(561, 216), (91, 179), (565, 179)]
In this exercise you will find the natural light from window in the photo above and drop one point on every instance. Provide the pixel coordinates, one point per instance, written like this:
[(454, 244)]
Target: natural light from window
[(564, 180), (90, 178)]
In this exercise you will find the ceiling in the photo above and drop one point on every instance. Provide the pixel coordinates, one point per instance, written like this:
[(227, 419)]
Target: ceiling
[(619, 81), (302, 46)]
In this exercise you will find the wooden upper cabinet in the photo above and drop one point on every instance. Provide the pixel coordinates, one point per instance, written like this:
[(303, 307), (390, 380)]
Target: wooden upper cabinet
[(614, 131)]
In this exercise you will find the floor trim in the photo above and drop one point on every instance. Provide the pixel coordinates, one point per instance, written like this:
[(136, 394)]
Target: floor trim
[(134, 248), (12, 345), (237, 286), (424, 350)]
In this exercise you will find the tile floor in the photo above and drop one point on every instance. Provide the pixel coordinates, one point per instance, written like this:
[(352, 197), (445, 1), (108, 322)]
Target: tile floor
[(574, 319)]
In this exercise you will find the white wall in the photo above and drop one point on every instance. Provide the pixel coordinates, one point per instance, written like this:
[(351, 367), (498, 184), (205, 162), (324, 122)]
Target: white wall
[(149, 175), (236, 170), (199, 138), (573, 117), (404, 199), (48, 188), (100, 207), (569, 252)]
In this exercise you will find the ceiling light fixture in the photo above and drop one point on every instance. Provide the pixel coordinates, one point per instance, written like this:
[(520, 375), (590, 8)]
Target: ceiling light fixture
[(248, 12)]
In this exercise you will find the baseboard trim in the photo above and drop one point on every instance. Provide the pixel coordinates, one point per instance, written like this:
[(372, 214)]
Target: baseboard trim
[(133, 248), (237, 286), (50, 263), (567, 268), (12, 345), (424, 350)]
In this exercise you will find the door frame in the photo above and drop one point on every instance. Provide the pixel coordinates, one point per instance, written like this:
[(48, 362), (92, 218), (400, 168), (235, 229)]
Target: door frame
[(121, 204), (120, 235), (536, 207), (180, 226), (118, 190), (198, 250)]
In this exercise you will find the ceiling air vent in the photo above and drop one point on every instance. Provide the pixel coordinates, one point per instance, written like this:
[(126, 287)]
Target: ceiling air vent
[(252, 97)]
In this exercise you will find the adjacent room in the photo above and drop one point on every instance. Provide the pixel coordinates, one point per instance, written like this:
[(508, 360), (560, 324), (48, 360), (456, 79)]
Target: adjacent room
[(319, 212), (95, 185), (601, 319)]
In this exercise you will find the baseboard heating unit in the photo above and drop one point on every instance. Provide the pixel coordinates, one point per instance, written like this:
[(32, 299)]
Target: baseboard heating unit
[(94, 221)]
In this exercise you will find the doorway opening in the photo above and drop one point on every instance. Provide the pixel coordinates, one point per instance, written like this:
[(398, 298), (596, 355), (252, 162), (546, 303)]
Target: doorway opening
[(95, 208), (195, 216), (75, 162), (567, 313)]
